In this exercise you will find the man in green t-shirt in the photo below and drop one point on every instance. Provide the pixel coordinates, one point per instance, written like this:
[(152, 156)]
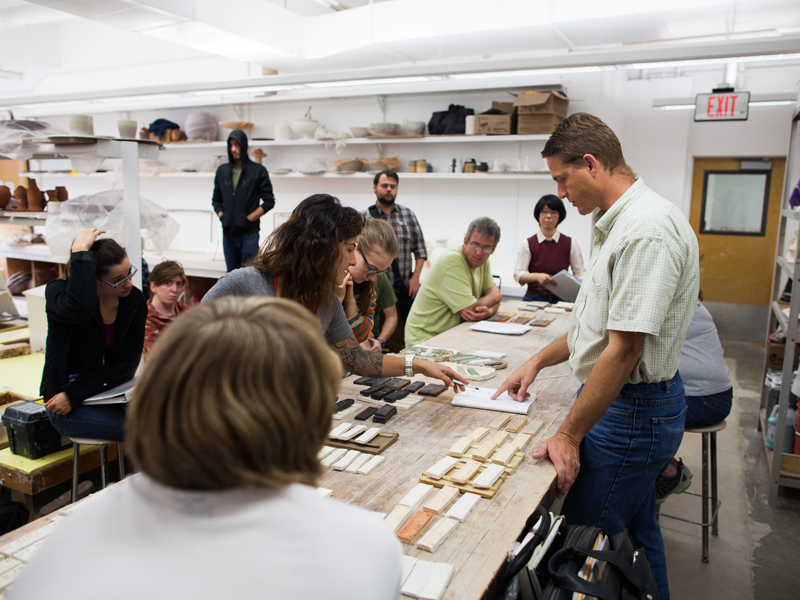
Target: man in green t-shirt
[(459, 286)]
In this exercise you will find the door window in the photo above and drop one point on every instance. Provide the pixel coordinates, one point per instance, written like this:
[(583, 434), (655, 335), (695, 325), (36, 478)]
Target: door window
[(735, 202)]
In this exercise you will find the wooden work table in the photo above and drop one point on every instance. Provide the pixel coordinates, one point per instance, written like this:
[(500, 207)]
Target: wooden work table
[(479, 546)]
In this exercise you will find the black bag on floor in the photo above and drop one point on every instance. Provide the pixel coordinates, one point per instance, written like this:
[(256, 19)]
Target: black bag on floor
[(450, 121), (626, 574), (12, 516)]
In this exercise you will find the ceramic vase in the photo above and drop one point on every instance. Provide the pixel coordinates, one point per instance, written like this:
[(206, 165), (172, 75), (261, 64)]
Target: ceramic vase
[(35, 196), (5, 196), (61, 194), (21, 193)]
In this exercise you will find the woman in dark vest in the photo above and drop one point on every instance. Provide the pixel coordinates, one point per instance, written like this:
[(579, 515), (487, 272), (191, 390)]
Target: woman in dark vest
[(547, 252)]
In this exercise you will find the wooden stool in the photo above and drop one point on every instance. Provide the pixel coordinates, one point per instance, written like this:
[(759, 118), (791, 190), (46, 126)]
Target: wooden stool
[(76, 452), (709, 435)]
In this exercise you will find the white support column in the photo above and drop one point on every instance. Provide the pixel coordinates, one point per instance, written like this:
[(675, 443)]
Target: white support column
[(130, 192)]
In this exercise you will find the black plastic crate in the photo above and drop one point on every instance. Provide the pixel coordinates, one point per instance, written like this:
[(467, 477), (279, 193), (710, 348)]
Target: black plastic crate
[(30, 432)]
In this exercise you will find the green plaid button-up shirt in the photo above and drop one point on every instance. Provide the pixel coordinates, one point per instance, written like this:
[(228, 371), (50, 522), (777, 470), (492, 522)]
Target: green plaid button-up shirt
[(643, 276)]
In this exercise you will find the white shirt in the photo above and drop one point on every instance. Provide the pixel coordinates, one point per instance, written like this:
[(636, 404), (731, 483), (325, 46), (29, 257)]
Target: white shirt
[(524, 257), (139, 539)]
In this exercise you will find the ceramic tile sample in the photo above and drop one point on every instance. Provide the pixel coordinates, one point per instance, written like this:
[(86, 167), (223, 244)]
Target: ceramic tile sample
[(345, 461), (442, 467), (500, 422), (416, 581), (347, 411), (324, 492), (521, 441), (409, 562), (437, 582), (325, 451), (516, 424), (397, 517), (488, 476), (370, 464), (502, 456), (368, 435), (359, 461), (465, 473), (461, 509), (437, 534), (414, 526), (352, 432), (441, 500), (461, 446), (339, 429), (417, 496), (487, 448), (333, 457)]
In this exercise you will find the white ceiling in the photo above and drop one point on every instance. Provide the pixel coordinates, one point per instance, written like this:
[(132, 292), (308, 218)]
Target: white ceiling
[(114, 44)]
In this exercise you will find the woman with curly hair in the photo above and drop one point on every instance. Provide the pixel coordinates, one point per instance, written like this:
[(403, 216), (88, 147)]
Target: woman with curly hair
[(304, 260)]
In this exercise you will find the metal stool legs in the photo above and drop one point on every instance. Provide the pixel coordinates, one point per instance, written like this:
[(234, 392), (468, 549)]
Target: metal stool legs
[(714, 496), (104, 474), (76, 452)]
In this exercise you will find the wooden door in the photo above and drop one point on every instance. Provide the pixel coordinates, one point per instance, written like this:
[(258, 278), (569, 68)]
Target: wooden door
[(736, 267)]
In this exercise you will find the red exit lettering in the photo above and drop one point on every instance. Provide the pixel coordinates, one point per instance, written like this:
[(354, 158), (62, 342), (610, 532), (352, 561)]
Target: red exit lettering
[(725, 106)]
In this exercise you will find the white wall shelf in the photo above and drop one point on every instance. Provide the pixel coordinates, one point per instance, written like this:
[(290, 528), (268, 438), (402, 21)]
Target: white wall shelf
[(364, 175), (434, 139)]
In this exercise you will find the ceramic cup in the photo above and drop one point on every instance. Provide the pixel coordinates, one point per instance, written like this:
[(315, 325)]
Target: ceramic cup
[(470, 125), (127, 128), (81, 125)]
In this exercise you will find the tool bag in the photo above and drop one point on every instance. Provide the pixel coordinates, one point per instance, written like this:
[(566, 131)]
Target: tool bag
[(450, 121), (624, 570)]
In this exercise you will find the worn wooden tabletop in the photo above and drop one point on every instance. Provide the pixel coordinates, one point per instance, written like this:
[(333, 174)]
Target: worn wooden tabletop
[(479, 546)]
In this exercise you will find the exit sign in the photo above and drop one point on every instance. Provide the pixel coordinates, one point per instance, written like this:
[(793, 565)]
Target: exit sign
[(722, 106)]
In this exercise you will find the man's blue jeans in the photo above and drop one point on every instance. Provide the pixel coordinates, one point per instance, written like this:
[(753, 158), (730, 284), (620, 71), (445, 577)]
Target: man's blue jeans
[(239, 251), (620, 459), (104, 422)]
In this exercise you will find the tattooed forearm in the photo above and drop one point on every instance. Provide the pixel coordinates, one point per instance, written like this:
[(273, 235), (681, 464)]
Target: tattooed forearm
[(357, 360)]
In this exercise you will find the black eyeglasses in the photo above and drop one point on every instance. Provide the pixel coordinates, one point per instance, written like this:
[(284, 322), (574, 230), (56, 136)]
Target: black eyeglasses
[(131, 273), (370, 269)]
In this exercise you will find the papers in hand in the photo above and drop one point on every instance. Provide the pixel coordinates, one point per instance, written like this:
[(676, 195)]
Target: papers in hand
[(482, 398), (501, 328), (116, 395)]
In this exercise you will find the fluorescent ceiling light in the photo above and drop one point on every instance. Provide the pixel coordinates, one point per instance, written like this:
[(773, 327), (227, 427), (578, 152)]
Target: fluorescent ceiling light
[(675, 107), (670, 64), (385, 81), (533, 72), (773, 103)]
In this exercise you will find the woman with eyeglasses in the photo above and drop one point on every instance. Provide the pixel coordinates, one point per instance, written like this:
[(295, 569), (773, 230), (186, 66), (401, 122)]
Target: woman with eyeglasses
[(95, 335), (304, 260), (547, 252), (377, 247)]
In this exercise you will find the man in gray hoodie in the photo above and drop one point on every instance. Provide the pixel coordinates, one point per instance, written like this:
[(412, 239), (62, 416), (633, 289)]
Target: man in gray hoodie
[(242, 195)]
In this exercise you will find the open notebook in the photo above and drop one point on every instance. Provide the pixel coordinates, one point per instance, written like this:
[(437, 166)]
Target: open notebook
[(116, 395)]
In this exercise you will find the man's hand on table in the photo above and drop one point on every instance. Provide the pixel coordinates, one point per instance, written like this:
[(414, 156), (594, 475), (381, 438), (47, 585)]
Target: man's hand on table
[(564, 451), (436, 371), (518, 382)]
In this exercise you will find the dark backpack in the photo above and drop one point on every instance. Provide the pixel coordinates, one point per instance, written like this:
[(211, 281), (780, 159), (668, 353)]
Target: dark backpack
[(451, 121)]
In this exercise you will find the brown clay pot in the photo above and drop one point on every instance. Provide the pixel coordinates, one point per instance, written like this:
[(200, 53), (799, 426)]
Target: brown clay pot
[(21, 193), (61, 193), (23, 204), (35, 196), (5, 196), (52, 196)]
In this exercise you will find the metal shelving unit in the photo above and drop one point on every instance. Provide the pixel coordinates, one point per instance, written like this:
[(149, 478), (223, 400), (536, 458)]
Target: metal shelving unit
[(783, 466)]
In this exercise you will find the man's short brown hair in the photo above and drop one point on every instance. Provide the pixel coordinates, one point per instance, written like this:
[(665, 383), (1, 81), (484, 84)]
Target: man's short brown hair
[(580, 134), (238, 393)]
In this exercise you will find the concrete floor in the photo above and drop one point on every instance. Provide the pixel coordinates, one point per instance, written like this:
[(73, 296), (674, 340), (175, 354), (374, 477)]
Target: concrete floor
[(757, 553)]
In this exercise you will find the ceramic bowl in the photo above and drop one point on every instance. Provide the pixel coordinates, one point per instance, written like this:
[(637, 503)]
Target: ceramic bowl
[(414, 127), (359, 131), (377, 167), (350, 165), (304, 127), (384, 129)]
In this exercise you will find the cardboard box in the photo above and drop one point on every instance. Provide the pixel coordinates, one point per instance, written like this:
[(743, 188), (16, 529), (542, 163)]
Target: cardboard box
[(541, 103), (775, 354), (501, 119), (537, 124)]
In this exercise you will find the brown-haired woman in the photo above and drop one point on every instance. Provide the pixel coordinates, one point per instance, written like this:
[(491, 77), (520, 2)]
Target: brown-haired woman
[(95, 334), (167, 282), (377, 248), (224, 506), (304, 260)]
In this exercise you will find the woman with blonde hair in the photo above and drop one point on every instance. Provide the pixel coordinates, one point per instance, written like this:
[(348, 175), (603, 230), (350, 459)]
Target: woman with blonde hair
[(225, 425), (376, 249)]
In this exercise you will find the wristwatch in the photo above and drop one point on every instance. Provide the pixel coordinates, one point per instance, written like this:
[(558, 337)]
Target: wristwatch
[(409, 368), (381, 342)]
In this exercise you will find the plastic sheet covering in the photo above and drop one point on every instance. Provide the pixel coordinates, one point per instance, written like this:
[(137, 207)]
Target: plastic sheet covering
[(86, 163), (315, 166), (200, 126), (329, 137), (106, 211), (14, 134)]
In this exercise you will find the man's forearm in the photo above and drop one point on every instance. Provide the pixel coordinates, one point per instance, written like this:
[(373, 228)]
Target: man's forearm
[(554, 354), (418, 263), (608, 375), (491, 298)]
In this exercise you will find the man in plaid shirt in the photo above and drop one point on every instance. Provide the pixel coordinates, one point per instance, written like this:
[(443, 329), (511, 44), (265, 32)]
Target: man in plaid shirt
[(405, 271)]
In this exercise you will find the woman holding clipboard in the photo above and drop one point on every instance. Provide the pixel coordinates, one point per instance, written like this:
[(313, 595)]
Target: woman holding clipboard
[(95, 335), (547, 252)]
